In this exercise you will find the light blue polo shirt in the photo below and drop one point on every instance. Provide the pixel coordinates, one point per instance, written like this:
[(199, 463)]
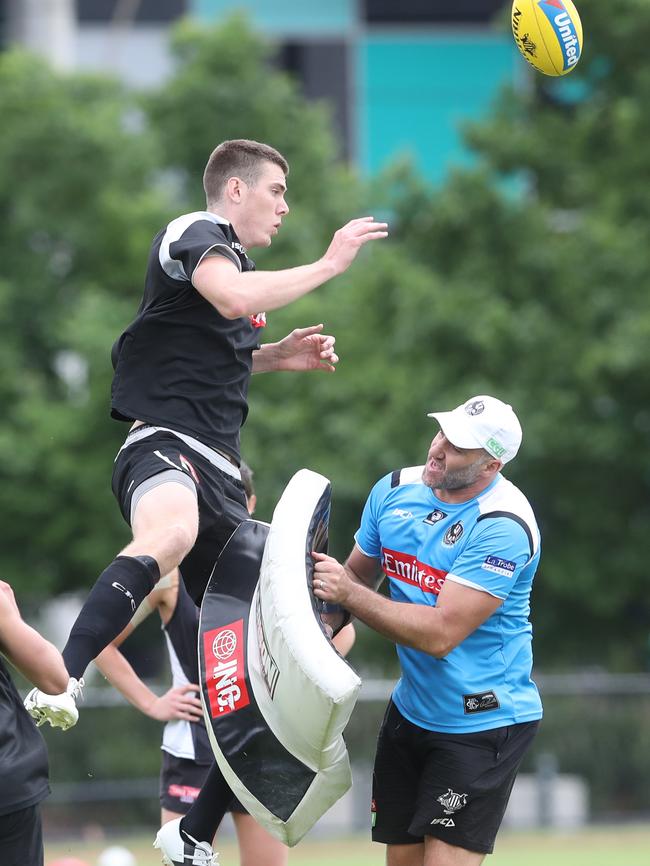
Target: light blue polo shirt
[(490, 543)]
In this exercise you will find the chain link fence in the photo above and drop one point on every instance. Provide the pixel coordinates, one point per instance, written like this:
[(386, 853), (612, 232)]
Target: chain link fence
[(590, 761)]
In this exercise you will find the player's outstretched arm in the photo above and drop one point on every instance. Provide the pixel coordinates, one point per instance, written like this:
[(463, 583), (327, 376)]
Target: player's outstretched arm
[(34, 656), (236, 294)]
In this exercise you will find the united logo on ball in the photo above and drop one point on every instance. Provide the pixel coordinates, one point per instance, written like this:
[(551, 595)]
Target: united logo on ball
[(548, 33)]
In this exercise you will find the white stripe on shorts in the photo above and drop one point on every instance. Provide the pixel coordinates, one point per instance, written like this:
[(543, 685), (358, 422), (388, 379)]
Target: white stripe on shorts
[(209, 454)]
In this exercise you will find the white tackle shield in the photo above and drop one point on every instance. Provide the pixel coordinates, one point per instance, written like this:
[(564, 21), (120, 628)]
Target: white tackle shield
[(276, 694)]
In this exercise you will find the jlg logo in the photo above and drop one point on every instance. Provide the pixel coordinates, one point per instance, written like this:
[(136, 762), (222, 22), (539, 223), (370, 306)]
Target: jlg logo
[(225, 679)]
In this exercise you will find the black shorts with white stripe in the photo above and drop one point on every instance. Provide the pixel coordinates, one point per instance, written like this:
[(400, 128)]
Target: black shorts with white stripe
[(220, 495)]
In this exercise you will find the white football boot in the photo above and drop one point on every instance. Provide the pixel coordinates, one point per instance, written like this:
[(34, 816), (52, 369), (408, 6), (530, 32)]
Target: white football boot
[(59, 710), (178, 848)]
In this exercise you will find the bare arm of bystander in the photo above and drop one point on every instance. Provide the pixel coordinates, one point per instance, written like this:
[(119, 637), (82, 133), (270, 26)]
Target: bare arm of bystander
[(177, 703), (34, 656)]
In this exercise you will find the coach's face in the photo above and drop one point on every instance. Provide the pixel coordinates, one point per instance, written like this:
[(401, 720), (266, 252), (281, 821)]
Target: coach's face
[(457, 473), (262, 207)]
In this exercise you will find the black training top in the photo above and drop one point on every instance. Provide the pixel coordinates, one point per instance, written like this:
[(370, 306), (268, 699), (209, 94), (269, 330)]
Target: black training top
[(23, 755), (180, 363)]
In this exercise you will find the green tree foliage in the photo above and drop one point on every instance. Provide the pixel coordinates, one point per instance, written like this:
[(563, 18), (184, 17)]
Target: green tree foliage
[(225, 87), (541, 269), (524, 277), (89, 173), (77, 214)]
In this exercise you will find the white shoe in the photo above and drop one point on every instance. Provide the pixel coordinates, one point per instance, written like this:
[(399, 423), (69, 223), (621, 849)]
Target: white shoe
[(59, 710), (178, 848)]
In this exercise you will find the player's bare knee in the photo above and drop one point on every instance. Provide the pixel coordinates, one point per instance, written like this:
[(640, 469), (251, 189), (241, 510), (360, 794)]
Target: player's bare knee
[(168, 544)]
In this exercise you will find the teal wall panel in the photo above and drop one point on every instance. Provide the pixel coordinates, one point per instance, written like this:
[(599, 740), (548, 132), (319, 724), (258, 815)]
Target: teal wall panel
[(414, 89), (285, 17)]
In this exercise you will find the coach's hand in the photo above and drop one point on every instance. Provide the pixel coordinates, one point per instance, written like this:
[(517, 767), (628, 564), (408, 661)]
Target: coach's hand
[(331, 581)]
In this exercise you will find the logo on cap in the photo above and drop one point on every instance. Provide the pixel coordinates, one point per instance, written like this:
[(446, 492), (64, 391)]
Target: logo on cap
[(475, 407), (495, 448)]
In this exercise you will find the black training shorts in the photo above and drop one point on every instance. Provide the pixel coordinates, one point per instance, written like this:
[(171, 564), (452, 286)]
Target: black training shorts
[(452, 786), (181, 779), (21, 837), (221, 497)]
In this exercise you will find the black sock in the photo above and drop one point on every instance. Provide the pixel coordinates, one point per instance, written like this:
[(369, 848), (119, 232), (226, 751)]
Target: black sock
[(207, 811), (108, 609)]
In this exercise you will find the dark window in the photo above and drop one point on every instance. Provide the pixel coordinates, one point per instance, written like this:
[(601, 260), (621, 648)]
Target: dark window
[(431, 11), (144, 11), (4, 17), (322, 70)]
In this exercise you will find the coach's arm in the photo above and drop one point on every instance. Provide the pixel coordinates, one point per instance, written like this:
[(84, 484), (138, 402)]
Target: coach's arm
[(458, 612)]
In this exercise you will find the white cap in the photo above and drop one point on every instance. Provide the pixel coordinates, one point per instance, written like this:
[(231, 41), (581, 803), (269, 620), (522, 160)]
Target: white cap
[(482, 422)]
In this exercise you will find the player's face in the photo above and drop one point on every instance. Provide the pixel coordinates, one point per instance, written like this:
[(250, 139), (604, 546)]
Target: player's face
[(449, 468), (263, 207)]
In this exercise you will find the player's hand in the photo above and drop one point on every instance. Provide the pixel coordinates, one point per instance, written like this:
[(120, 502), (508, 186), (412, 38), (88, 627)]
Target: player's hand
[(178, 703), (349, 239), (331, 581), (307, 349)]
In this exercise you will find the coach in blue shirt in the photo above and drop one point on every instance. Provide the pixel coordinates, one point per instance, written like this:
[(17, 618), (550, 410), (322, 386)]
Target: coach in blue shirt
[(459, 546)]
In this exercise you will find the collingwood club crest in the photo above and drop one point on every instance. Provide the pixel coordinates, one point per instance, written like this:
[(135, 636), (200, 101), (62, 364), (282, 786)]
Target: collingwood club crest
[(454, 532), (475, 407), (452, 802)]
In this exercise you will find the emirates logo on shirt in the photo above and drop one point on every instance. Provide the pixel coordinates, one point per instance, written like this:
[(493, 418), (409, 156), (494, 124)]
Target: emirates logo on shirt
[(409, 569)]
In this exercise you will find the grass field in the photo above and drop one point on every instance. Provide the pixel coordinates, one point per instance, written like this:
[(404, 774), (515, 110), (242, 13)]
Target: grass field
[(607, 846)]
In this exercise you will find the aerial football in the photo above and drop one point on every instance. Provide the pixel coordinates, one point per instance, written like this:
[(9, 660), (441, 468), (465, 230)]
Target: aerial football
[(548, 33)]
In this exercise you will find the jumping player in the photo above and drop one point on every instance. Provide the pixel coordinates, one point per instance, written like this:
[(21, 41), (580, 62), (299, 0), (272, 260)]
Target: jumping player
[(182, 370)]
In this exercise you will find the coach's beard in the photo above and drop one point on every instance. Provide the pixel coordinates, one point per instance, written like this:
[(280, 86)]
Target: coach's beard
[(457, 479)]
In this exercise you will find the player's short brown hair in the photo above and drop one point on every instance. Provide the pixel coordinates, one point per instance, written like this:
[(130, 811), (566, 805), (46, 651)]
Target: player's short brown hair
[(247, 479), (239, 157)]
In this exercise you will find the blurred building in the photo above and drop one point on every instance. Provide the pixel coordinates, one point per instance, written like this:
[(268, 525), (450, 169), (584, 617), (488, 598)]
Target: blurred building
[(400, 76), (128, 38)]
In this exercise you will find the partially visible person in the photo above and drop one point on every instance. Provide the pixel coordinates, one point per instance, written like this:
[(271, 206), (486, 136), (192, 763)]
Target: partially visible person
[(459, 546), (186, 751), (24, 770)]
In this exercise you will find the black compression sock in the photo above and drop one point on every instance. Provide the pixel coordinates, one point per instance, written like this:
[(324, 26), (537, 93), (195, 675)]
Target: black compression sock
[(207, 811), (109, 608)]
